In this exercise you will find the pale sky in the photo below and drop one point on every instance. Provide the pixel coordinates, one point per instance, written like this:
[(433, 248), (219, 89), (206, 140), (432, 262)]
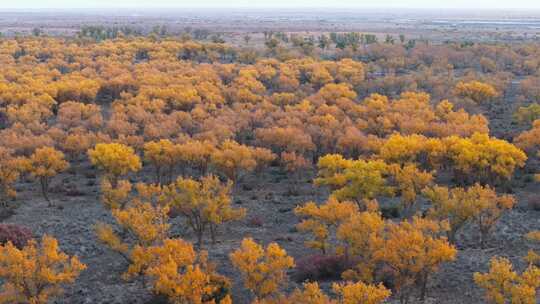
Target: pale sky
[(467, 4)]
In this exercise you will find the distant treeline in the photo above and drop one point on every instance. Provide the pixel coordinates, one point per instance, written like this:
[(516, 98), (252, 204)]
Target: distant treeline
[(272, 40), (99, 33)]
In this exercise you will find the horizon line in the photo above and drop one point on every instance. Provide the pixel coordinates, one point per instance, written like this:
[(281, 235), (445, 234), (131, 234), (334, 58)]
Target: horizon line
[(268, 8)]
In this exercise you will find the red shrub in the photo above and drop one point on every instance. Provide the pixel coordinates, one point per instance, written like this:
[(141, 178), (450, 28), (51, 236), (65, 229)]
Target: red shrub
[(18, 235), (321, 267), (255, 221)]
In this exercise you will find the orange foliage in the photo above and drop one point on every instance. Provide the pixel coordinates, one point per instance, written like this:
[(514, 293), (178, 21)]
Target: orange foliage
[(478, 91), (205, 204), (413, 251), (36, 273), (43, 165), (263, 269), (10, 169)]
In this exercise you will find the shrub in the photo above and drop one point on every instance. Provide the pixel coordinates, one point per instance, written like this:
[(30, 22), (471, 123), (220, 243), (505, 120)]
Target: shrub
[(17, 235), (321, 267), (390, 212), (534, 205), (255, 221)]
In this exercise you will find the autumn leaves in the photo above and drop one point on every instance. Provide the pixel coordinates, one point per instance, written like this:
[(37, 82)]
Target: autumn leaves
[(141, 232), (37, 272), (43, 165), (173, 137)]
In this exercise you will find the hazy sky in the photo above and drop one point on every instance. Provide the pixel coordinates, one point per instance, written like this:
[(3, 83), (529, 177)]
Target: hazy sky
[(488, 4)]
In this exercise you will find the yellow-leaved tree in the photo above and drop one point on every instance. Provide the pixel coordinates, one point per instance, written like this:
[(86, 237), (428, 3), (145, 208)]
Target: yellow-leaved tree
[(363, 180), (179, 272), (503, 285), (460, 206), (162, 155), (483, 159), (115, 160), (533, 257), (118, 197), (321, 220), (143, 225), (310, 294), (478, 158), (205, 203), (409, 182), (530, 140), (362, 236), (11, 168), (347, 293), (295, 165), (263, 269), (410, 149), (413, 250), (44, 164), (479, 92), (355, 180), (196, 154), (355, 293), (527, 115), (172, 266), (36, 273), (489, 210), (233, 159)]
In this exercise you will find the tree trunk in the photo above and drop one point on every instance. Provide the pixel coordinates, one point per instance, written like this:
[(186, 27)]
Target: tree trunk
[(158, 175), (423, 286), (213, 231), (44, 189), (199, 239)]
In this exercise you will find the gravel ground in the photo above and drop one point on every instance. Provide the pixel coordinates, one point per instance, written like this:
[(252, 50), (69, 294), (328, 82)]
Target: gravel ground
[(269, 201)]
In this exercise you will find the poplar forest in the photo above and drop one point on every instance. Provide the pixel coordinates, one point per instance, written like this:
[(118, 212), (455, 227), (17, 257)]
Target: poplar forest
[(157, 164)]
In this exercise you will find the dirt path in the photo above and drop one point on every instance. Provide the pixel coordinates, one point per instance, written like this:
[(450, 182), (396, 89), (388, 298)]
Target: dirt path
[(500, 114)]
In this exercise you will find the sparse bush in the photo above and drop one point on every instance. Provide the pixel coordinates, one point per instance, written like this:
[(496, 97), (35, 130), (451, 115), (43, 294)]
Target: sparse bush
[(533, 202), (321, 267), (390, 212), (17, 235), (255, 221)]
